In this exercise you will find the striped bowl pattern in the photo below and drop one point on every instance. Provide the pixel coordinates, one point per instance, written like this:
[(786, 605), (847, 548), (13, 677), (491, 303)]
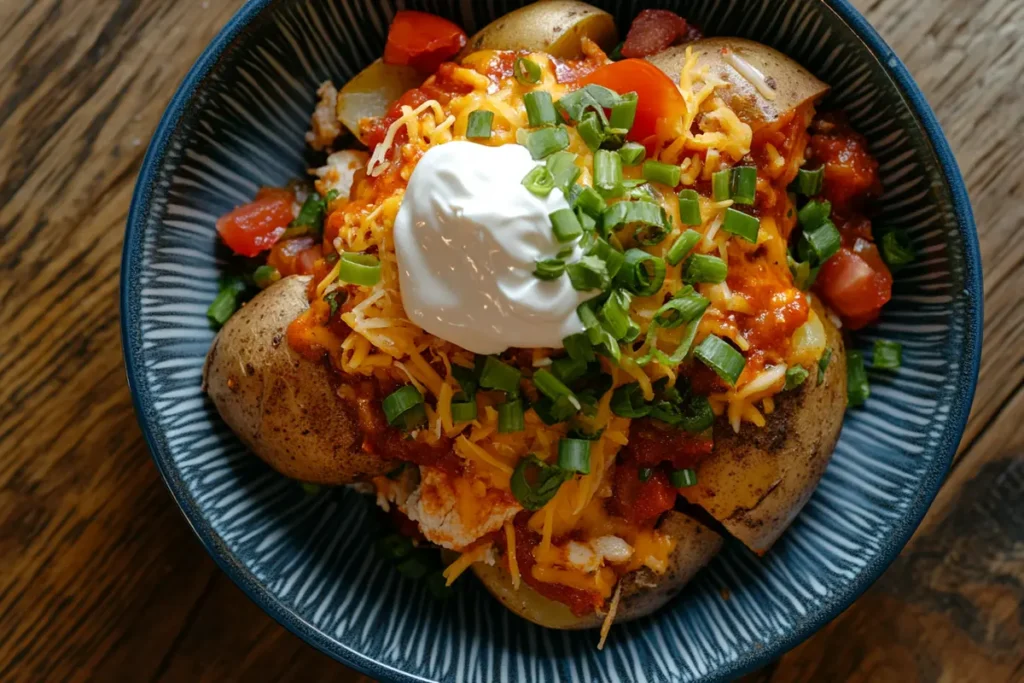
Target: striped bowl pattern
[(237, 123)]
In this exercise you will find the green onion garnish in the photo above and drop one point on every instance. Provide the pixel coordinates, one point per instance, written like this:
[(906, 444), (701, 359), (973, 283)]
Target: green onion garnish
[(591, 325), (574, 455), (413, 567), (526, 71), (897, 249), (394, 546), (683, 478), (510, 417), (649, 219), (822, 242), (563, 168), (568, 369), (721, 182), (689, 208), (540, 110), (463, 411), (744, 184), (608, 173), (721, 357), (310, 220), (683, 245), (591, 131), (500, 376), (478, 127), (795, 376), (226, 301), (565, 224), (539, 181), (695, 414), (404, 407), (888, 355), (632, 153), (335, 299), (742, 224), (804, 274), (590, 202), (264, 276), (550, 386), (578, 347), (628, 401), (644, 473), (704, 268), (808, 183), (660, 172), (547, 141), (857, 389), (534, 482), (549, 269), (814, 213), (641, 273), (623, 112), (685, 307), (826, 358), (589, 273), (359, 269), (614, 314)]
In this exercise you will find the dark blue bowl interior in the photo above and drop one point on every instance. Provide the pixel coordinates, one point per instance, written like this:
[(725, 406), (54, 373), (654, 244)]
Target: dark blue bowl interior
[(237, 122)]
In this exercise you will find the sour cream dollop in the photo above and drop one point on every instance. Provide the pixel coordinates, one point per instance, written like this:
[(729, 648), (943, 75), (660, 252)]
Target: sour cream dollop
[(467, 237)]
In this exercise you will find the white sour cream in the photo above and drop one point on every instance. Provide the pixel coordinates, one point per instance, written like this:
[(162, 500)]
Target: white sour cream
[(467, 237)]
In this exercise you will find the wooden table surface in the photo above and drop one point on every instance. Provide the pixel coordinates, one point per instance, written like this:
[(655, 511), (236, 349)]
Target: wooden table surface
[(101, 578)]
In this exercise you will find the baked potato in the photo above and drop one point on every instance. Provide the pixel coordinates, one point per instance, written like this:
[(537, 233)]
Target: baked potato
[(552, 26), (643, 591), (284, 407), (758, 479), (371, 91), (785, 86)]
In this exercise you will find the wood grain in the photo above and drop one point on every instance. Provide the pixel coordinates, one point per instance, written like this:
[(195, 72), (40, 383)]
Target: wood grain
[(100, 577)]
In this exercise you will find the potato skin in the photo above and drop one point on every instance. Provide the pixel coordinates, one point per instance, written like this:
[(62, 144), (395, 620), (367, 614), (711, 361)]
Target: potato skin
[(793, 84), (371, 91), (757, 481), (552, 26), (643, 591), (284, 407)]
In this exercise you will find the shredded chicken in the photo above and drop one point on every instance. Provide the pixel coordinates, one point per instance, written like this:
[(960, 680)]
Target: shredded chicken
[(324, 125)]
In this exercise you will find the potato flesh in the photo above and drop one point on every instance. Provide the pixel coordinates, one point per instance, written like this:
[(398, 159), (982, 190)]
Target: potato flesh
[(371, 92)]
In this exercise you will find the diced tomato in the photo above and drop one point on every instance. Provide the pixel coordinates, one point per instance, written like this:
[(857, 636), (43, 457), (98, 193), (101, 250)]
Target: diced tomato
[(641, 502), (652, 31), (296, 256), (851, 173), (856, 283), (256, 226), (422, 40), (652, 443), (657, 96)]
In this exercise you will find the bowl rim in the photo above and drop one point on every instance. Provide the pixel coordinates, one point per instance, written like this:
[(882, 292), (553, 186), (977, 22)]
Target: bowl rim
[(777, 646)]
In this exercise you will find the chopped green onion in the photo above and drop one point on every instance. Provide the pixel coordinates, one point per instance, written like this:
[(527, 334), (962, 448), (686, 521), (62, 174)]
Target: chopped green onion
[(599, 247), (608, 173), (394, 546), (478, 127), (540, 110), (897, 249), (888, 355), (565, 224), (539, 181), (404, 407), (795, 376), (642, 273), (632, 333), (660, 172), (681, 309), (359, 269), (689, 207), (857, 389), (563, 168), (721, 182), (644, 473), (683, 245), (632, 153), (266, 276), (463, 411), (466, 378), (510, 417), (335, 299), (590, 202), (744, 184), (683, 478), (574, 455), (721, 357), (614, 314), (822, 242), (591, 130), (621, 214), (546, 141), (310, 220), (587, 222), (500, 376), (526, 71), (628, 401), (589, 273), (549, 269), (742, 224), (704, 268), (534, 482), (549, 385), (413, 567), (808, 183), (804, 274), (623, 112), (695, 414), (226, 301), (823, 362), (578, 347), (591, 324), (814, 213), (568, 369)]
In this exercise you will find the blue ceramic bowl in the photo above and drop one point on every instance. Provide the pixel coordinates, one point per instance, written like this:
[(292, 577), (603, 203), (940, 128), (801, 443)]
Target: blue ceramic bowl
[(237, 122)]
